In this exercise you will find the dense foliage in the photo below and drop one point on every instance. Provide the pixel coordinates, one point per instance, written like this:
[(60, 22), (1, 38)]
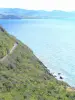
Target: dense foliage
[(6, 42), (24, 77)]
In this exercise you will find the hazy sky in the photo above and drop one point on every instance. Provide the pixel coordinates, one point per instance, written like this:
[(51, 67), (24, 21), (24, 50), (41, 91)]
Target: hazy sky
[(67, 5)]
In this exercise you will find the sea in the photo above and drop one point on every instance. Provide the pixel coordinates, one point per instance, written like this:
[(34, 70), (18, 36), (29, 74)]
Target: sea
[(52, 41)]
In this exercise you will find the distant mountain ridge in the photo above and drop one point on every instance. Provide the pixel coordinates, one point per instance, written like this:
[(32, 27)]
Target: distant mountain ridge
[(17, 13)]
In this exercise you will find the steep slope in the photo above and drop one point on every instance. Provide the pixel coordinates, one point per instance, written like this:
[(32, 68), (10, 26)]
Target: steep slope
[(24, 77), (6, 42)]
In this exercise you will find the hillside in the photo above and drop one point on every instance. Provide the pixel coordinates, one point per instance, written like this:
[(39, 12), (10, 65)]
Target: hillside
[(24, 77), (5, 45), (16, 13)]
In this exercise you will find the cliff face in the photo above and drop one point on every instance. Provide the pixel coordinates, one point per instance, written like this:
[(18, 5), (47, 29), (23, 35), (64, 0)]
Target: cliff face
[(24, 77)]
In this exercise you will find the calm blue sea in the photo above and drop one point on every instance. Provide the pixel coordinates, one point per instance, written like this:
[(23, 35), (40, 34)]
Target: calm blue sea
[(52, 40)]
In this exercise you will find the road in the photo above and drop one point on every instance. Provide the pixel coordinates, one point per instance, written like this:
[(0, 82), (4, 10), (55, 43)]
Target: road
[(11, 51)]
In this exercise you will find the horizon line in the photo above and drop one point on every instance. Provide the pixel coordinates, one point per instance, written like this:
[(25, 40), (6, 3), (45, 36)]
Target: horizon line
[(36, 9)]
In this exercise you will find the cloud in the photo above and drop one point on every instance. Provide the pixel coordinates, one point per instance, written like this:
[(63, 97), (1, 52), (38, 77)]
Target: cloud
[(67, 5)]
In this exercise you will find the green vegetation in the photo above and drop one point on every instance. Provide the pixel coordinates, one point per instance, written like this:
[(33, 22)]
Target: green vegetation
[(24, 77), (6, 42)]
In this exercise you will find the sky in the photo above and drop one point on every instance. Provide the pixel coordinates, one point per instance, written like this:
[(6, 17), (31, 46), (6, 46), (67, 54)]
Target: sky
[(65, 5)]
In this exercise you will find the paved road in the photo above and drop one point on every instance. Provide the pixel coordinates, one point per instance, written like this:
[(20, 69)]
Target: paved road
[(11, 51)]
